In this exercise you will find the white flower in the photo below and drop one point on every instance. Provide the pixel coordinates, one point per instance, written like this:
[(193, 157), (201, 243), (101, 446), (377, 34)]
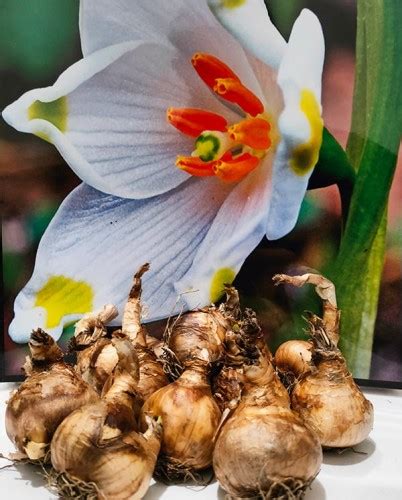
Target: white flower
[(151, 71)]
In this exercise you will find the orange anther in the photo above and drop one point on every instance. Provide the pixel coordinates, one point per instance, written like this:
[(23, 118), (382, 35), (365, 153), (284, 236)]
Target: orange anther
[(195, 166), (193, 121), (252, 132), (234, 91), (233, 170), (209, 68)]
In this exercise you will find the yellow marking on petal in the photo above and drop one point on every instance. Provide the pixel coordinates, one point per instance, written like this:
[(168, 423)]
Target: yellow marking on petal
[(233, 4), (61, 296), (305, 156), (223, 276), (55, 112)]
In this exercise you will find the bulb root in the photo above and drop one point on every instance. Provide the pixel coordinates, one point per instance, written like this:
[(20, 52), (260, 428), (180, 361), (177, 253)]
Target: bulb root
[(171, 471)]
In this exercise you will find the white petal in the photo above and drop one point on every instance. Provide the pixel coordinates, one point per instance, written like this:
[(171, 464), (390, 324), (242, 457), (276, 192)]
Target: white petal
[(300, 124), (115, 135), (303, 60), (158, 20), (267, 78), (249, 22), (188, 25), (288, 191), (96, 242), (237, 229)]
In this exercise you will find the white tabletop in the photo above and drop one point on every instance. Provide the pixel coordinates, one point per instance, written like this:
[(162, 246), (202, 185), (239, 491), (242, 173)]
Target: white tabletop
[(374, 474)]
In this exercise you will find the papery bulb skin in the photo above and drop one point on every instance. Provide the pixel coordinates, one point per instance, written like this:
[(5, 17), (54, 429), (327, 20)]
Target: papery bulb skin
[(190, 419), (155, 344), (96, 355), (294, 356), (330, 402), (264, 449), (118, 461), (198, 335), (326, 397), (96, 363), (189, 412), (152, 375), (50, 393), (100, 443), (260, 449)]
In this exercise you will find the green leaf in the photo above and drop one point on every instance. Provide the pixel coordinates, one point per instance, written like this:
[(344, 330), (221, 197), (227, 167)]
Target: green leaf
[(372, 148), (333, 167), (284, 14), (358, 299)]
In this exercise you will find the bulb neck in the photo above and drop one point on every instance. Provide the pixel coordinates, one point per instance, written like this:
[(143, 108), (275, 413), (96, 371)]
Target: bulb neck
[(263, 387), (195, 374), (121, 387)]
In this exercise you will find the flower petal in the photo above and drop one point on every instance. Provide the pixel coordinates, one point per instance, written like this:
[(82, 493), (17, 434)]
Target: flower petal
[(267, 78), (187, 25), (237, 229), (96, 242), (101, 25), (304, 57), (300, 123), (249, 22), (107, 116)]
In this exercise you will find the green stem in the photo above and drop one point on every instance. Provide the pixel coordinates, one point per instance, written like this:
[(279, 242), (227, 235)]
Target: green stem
[(372, 149), (359, 301)]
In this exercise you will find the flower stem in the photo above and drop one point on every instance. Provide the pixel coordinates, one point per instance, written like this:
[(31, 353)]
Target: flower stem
[(372, 149)]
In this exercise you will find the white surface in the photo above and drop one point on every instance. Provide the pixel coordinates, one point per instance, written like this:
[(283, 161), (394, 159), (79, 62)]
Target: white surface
[(374, 473)]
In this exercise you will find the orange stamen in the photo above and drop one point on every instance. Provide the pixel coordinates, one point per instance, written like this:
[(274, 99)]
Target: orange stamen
[(195, 166), (193, 122), (234, 169), (209, 68), (252, 132), (234, 91)]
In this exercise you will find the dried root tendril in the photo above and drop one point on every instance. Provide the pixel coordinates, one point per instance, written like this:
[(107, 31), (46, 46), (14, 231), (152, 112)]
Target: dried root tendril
[(341, 451), (171, 471), (171, 365), (285, 489), (65, 485), (171, 323), (68, 486), (15, 461)]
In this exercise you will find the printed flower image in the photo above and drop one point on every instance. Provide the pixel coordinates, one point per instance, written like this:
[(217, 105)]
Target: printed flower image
[(219, 141), (191, 150)]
